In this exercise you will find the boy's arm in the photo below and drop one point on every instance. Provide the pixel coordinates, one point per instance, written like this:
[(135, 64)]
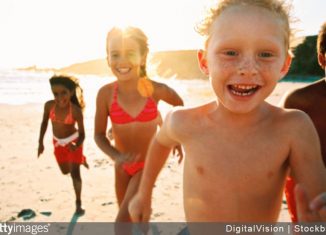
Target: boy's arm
[(160, 147), (306, 163), (44, 126)]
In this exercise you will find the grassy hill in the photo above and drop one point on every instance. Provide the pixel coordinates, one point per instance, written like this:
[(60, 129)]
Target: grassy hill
[(180, 64), (96, 67), (166, 64)]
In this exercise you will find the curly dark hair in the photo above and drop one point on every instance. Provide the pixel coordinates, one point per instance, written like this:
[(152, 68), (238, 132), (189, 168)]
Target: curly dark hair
[(72, 84)]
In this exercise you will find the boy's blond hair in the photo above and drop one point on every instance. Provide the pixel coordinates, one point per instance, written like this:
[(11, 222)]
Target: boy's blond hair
[(280, 8)]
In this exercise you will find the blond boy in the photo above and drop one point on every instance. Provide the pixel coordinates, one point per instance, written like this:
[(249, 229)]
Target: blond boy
[(239, 148)]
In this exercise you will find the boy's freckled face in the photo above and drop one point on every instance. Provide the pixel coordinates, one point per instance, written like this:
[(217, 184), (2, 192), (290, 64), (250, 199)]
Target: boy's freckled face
[(124, 57), (245, 56), (62, 95)]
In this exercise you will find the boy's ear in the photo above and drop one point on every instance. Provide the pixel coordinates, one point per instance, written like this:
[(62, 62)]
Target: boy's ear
[(322, 60), (286, 66), (202, 61)]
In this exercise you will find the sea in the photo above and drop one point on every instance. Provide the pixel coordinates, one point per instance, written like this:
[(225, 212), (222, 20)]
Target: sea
[(18, 87)]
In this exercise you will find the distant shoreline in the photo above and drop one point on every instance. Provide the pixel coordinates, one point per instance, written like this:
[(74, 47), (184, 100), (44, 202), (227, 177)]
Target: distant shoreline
[(34, 69)]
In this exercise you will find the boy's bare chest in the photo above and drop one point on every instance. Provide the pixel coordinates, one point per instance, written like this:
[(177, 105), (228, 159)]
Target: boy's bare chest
[(235, 153)]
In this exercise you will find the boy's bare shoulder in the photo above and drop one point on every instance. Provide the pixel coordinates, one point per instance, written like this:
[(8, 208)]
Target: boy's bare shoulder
[(302, 96), (293, 119), (189, 114)]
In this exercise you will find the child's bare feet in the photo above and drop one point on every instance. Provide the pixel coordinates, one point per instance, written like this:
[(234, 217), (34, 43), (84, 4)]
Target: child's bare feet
[(79, 210)]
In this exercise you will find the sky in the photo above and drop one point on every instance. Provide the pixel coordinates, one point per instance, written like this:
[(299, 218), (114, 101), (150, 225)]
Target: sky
[(57, 33)]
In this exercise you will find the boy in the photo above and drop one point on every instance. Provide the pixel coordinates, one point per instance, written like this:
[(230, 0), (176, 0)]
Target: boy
[(312, 100), (239, 148)]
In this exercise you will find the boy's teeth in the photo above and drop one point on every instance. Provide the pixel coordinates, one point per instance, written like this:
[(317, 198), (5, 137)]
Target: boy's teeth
[(245, 87), (242, 93), (243, 90)]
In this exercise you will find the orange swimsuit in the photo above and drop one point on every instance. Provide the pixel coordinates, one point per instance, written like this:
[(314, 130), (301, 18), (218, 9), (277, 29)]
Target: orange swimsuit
[(69, 120), (290, 198), (133, 167), (62, 151), (119, 116)]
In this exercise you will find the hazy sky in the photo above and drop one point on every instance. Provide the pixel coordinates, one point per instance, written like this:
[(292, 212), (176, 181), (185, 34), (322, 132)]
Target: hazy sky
[(57, 33)]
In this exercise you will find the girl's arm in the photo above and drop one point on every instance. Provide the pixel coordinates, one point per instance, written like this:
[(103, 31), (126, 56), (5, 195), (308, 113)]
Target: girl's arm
[(44, 126), (167, 94), (78, 116), (158, 152), (101, 117), (170, 96), (140, 205)]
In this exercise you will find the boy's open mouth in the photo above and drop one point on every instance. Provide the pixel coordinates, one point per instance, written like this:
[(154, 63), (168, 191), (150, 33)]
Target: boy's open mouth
[(243, 90)]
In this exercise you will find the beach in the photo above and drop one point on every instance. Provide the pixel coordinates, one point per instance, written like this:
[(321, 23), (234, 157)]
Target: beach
[(37, 184)]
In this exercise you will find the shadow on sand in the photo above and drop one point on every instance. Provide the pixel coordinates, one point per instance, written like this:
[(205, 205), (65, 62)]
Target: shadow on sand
[(72, 223)]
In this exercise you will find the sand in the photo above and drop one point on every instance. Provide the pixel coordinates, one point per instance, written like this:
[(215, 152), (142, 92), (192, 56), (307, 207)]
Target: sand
[(30, 183)]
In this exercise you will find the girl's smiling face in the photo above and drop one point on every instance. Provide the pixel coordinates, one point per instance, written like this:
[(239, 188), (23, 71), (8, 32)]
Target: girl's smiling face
[(62, 95), (245, 57), (124, 57)]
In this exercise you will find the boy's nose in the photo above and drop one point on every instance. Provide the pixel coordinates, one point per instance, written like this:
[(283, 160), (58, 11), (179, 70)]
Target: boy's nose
[(247, 67)]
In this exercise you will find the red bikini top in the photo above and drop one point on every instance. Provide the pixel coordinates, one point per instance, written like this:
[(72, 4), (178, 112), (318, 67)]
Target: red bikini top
[(120, 116), (69, 120)]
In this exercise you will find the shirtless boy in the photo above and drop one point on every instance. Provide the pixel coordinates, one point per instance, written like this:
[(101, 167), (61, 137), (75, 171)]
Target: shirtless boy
[(239, 148), (312, 100)]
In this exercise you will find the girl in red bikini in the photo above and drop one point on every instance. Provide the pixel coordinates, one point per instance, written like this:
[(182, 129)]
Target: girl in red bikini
[(64, 112), (131, 104)]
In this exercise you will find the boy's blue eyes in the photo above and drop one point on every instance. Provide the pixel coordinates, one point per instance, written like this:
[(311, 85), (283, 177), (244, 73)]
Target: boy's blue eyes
[(231, 53), (262, 54), (266, 54)]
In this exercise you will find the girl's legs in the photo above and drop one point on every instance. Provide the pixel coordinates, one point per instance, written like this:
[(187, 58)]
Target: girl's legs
[(77, 182), (121, 227), (64, 158), (121, 183), (65, 167), (123, 214)]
